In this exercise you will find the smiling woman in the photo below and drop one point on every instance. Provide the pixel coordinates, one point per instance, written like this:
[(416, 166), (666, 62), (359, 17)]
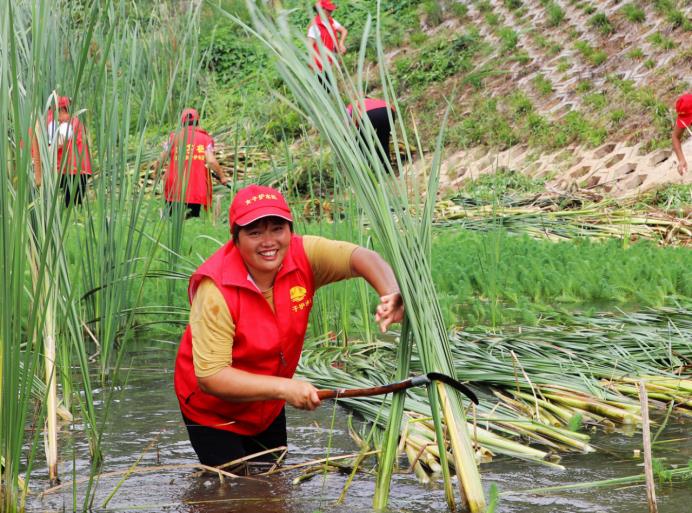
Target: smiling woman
[(250, 306)]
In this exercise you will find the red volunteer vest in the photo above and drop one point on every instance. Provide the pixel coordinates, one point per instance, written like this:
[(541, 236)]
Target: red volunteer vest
[(327, 35), (370, 104), (76, 162), (265, 342), (196, 181)]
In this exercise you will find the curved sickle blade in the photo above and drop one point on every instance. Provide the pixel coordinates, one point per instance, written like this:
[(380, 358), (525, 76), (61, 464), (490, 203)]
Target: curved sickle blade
[(457, 385)]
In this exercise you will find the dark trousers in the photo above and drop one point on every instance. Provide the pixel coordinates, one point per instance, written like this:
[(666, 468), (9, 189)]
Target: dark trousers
[(383, 130), (192, 209), (215, 447), (74, 187)]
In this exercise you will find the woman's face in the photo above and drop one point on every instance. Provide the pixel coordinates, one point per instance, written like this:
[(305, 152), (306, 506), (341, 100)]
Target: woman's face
[(263, 246), (63, 115)]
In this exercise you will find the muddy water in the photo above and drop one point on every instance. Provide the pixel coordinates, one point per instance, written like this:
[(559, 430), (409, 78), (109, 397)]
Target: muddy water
[(145, 423)]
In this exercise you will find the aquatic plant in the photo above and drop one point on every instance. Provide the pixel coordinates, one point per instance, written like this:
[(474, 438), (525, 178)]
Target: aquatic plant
[(404, 240), (71, 275)]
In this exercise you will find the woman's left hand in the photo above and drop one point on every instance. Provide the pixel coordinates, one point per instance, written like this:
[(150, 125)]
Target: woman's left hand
[(390, 310)]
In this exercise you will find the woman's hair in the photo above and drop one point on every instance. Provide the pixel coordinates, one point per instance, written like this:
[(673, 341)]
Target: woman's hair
[(276, 219)]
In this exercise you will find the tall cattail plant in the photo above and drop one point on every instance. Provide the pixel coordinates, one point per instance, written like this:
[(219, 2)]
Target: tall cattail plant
[(401, 228)]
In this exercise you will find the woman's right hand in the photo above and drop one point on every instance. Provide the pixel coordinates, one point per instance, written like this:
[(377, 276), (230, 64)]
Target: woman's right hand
[(300, 394)]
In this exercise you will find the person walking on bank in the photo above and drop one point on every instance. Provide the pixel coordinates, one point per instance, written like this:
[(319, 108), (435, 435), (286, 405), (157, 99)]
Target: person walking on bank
[(250, 303), (327, 34), (67, 134), (378, 114), (191, 176), (683, 108)]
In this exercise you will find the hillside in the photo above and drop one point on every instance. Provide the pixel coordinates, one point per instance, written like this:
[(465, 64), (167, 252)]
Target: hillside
[(577, 93), (574, 94)]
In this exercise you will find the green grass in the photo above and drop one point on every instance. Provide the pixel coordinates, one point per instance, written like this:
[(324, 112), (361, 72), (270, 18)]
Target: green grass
[(633, 13), (593, 55), (508, 39), (662, 42), (601, 24), (635, 54), (503, 182), (555, 14), (532, 278), (543, 85), (437, 60)]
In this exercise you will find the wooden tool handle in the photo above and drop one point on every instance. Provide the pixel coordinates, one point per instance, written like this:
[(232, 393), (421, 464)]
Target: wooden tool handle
[(364, 392)]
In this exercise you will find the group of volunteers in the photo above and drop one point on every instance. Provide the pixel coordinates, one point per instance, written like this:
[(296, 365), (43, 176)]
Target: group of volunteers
[(251, 300)]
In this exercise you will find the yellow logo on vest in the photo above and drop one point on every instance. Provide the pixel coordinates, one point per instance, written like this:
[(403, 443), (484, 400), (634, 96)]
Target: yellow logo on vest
[(298, 294)]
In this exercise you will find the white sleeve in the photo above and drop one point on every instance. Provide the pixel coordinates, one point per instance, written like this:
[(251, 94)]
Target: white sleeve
[(337, 25), (314, 32)]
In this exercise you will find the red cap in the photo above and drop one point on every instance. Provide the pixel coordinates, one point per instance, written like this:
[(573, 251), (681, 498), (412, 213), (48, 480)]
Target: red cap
[(189, 115), (684, 109), (327, 5), (255, 202), (63, 102)]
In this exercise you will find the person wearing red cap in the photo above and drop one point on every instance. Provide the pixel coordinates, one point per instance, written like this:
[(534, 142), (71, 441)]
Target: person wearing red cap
[(67, 134), (250, 303), (378, 112), (189, 178), (683, 108), (325, 34)]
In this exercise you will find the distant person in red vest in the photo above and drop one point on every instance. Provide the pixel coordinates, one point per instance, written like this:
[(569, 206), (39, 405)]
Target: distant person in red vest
[(187, 181), (331, 34), (66, 134), (378, 114), (683, 108), (250, 303)]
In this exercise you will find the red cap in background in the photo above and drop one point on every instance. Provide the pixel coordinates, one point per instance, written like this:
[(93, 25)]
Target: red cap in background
[(63, 102), (255, 202), (327, 5), (189, 115), (684, 109)]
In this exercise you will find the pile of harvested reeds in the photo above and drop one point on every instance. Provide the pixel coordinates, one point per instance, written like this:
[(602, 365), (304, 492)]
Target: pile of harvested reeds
[(560, 218), (537, 385)]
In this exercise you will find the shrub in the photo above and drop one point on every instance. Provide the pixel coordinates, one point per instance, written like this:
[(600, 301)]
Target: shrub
[(231, 55)]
